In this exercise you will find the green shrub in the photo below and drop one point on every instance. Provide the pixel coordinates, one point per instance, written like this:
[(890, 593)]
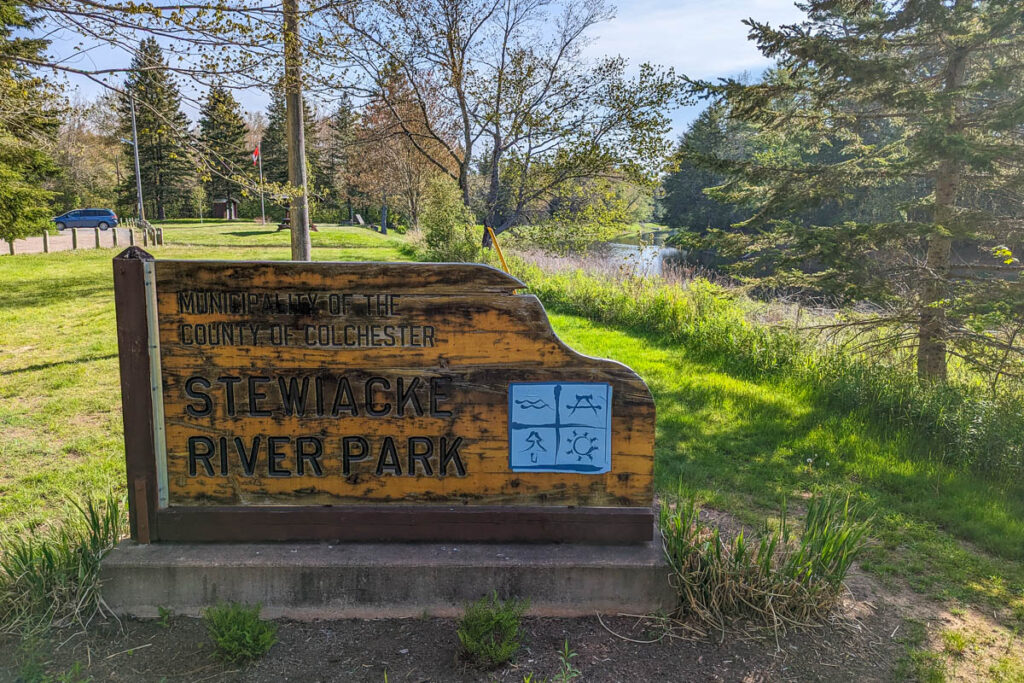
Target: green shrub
[(52, 579), (490, 631), (779, 579), (238, 632), (448, 226)]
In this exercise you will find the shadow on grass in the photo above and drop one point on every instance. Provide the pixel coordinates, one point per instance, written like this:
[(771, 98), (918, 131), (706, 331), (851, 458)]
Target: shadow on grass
[(56, 363)]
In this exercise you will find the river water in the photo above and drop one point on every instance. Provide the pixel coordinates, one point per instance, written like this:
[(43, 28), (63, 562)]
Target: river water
[(645, 254)]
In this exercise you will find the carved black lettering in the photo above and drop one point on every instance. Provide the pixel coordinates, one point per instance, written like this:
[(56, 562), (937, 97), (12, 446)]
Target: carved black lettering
[(223, 443), (438, 387), (371, 408), (274, 456), (229, 392), (186, 302), (423, 458), (343, 399), (348, 457), (388, 458), (194, 455), (450, 454), (408, 395), (256, 395), (192, 392), (292, 396), (316, 449), (318, 392), (249, 459)]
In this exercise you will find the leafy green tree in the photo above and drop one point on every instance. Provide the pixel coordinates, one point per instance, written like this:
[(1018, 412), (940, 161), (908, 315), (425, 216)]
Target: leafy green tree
[(920, 101), (167, 172), (506, 87), (28, 127), (222, 137)]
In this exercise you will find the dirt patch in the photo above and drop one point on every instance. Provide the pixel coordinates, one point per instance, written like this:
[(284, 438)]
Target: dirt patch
[(857, 647)]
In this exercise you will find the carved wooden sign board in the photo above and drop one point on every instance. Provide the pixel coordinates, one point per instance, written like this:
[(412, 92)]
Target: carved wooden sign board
[(368, 401)]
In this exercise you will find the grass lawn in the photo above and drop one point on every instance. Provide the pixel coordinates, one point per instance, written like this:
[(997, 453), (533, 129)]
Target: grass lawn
[(60, 404), (740, 444)]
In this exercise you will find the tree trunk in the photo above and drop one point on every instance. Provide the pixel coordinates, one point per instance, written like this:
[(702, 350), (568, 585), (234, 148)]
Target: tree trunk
[(932, 334), (301, 247)]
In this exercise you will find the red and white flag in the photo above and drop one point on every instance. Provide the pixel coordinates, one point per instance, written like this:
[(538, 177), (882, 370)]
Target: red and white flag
[(255, 155)]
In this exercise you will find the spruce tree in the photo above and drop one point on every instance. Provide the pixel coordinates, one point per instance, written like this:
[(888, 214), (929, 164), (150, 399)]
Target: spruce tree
[(28, 126), (684, 204), (167, 172), (336, 138), (924, 96), (222, 137)]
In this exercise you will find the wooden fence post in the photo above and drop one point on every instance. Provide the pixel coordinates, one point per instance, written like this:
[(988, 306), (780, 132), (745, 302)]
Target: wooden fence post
[(115, 235), (74, 238), (96, 234), (145, 237), (46, 242), (160, 236)]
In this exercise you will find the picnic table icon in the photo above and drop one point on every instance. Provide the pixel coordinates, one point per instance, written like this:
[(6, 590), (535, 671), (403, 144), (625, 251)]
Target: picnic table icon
[(560, 427)]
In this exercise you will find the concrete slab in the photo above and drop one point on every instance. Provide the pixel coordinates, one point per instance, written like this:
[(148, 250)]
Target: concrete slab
[(370, 580)]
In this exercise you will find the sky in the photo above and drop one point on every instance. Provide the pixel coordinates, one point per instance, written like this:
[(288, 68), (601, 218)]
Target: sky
[(699, 38)]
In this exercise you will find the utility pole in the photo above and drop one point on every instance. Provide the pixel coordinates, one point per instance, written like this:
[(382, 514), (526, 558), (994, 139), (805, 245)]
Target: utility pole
[(299, 213), (135, 148)]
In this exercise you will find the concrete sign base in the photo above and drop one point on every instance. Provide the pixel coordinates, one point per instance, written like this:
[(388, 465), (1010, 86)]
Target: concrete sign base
[(385, 580)]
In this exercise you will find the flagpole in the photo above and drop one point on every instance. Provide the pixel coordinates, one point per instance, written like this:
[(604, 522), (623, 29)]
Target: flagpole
[(259, 156)]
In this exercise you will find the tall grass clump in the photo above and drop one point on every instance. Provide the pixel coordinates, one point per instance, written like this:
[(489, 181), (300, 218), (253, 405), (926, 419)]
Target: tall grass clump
[(960, 425), (782, 578), (52, 579), (705, 317)]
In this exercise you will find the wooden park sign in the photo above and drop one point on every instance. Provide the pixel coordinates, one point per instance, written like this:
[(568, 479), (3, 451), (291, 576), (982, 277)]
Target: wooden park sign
[(369, 401)]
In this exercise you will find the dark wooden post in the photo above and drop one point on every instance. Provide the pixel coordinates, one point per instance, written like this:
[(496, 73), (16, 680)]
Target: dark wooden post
[(96, 234), (74, 238), (46, 242), (133, 345), (115, 235)]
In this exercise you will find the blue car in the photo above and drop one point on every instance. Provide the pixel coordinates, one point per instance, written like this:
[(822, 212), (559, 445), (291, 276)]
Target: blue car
[(87, 218)]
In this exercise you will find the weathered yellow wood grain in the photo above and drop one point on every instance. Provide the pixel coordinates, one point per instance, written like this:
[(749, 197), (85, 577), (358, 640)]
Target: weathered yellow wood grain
[(484, 336)]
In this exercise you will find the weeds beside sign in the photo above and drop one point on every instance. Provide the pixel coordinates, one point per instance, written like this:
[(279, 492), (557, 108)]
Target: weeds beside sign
[(290, 401)]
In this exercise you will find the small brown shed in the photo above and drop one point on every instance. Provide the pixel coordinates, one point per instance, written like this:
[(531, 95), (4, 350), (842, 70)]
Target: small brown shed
[(225, 208)]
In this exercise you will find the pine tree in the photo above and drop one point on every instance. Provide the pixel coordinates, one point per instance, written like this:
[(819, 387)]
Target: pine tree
[(684, 203), (28, 126), (336, 137), (167, 173), (926, 97), (222, 137)]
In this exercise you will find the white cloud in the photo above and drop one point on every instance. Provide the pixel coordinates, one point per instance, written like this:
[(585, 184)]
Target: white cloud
[(699, 38)]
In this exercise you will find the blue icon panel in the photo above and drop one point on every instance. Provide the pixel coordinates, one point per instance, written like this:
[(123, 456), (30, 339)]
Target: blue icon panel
[(560, 427)]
